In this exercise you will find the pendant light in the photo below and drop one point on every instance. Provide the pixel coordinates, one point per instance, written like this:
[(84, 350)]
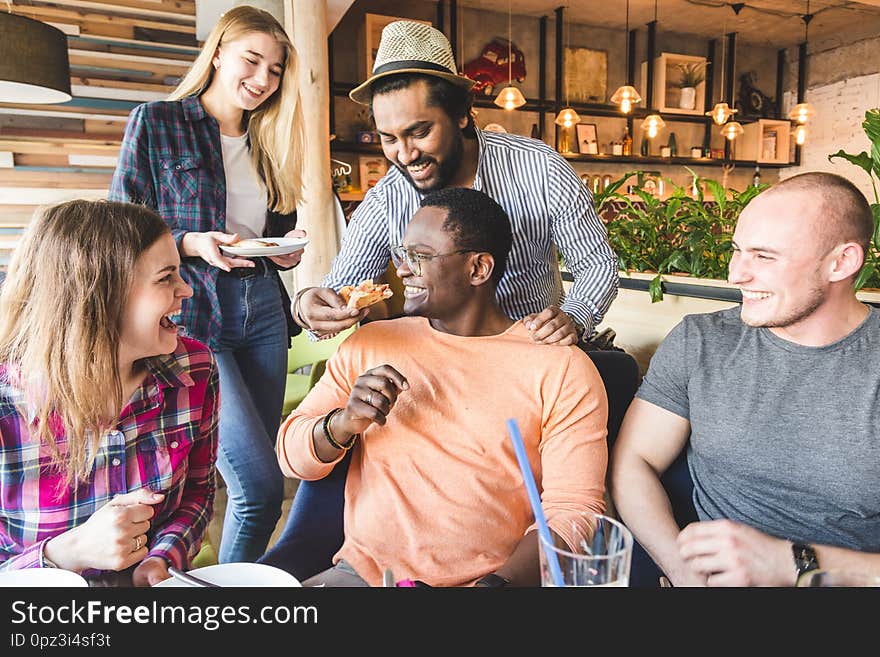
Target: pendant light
[(722, 111), (626, 95), (34, 66), (509, 98), (652, 124), (567, 117), (732, 130), (803, 112)]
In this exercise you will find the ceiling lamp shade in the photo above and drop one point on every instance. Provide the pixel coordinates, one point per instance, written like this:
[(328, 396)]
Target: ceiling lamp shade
[(567, 118), (801, 113), (732, 130), (34, 67), (652, 125), (510, 98), (626, 96), (721, 112)]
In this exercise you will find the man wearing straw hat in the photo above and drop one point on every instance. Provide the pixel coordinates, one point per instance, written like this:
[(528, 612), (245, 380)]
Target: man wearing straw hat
[(777, 403), (434, 491), (422, 111)]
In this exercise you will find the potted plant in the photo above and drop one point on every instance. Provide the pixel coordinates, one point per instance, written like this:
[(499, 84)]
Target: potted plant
[(681, 233), (692, 74), (869, 277)]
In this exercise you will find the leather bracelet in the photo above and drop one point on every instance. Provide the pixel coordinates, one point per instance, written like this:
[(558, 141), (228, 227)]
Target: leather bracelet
[(329, 436), (296, 314)]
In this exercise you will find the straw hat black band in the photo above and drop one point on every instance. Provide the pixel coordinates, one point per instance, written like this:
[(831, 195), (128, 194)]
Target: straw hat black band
[(410, 64)]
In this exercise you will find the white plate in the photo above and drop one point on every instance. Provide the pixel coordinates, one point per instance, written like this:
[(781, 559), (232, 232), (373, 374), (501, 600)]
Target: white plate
[(239, 574), (285, 245), (40, 577)]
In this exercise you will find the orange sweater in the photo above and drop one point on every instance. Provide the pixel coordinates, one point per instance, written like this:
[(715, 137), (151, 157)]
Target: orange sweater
[(437, 494)]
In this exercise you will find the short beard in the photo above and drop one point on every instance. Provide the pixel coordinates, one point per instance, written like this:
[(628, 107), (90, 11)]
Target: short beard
[(446, 170), (795, 315)]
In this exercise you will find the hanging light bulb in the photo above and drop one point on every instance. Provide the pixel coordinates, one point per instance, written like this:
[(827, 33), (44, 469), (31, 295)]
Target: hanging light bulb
[(510, 97), (721, 112), (800, 135), (652, 125), (801, 113), (732, 130), (626, 95), (567, 118)]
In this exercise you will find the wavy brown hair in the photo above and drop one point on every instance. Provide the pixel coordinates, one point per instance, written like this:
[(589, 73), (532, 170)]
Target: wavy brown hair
[(61, 309), (275, 128)]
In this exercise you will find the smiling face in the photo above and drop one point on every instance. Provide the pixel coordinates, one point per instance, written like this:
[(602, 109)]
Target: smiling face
[(156, 292), (248, 70), (421, 140), (780, 254), (443, 287)]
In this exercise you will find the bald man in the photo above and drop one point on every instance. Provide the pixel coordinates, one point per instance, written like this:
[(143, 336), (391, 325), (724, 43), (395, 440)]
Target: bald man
[(777, 402)]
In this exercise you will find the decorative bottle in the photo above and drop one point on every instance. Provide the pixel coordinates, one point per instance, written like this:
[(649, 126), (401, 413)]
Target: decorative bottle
[(627, 142), (756, 179), (673, 145)]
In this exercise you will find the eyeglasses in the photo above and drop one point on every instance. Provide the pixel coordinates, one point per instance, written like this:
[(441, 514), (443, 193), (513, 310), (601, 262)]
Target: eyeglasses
[(414, 259)]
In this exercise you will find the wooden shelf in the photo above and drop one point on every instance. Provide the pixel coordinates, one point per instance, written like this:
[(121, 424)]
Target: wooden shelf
[(685, 161), (355, 147)]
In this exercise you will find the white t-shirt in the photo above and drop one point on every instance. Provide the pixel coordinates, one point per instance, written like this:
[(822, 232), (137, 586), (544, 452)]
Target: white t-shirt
[(246, 196)]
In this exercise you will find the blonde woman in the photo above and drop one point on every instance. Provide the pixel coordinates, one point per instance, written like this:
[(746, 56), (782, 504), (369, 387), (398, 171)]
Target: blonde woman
[(220, 161), (108, 419)]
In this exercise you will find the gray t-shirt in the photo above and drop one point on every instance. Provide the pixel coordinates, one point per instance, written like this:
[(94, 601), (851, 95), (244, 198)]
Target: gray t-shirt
[(784, 438)]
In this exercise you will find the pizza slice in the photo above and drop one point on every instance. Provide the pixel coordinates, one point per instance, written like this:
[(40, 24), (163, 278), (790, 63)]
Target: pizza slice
[(251, 243), (365, 293)]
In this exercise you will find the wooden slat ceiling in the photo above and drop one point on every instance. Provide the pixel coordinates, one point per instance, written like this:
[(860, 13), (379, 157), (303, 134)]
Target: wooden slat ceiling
[(775, 23)]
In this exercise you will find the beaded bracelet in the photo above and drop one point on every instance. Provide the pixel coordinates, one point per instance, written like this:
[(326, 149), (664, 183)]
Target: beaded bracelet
[(329, 436)]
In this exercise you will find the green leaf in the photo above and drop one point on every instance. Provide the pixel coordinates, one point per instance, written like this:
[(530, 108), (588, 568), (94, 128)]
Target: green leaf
[(866, 273), (862, 160), (655, 289)]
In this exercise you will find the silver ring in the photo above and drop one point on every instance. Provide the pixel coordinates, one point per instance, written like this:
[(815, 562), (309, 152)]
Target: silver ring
[(137, 543), (370, 398)]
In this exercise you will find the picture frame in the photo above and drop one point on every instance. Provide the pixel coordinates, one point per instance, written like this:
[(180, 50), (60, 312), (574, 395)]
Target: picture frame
[(586, 75), (587, 133), (373, 26)]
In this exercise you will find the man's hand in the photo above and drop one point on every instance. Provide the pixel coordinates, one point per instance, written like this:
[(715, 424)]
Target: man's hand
[(372, 398), (290, 260), (150, 572), (729, 553), (205, 246), (324, 312), (113, 538), (552, 326)]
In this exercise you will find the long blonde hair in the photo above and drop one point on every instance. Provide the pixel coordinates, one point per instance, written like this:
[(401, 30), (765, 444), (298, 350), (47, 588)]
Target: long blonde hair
[(61, 309), (276, 127)]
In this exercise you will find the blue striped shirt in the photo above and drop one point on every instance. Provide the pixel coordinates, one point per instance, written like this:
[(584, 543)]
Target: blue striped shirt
[(549, 206)]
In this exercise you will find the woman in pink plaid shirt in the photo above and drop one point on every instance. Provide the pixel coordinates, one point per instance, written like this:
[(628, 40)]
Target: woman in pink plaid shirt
[(108, 419)]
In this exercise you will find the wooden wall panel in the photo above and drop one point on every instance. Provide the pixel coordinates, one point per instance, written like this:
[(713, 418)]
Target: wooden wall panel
[(122, 53)]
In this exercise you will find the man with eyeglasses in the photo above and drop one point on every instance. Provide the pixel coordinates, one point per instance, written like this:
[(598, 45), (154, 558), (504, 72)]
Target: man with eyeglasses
[(422, 111), (434, 491)]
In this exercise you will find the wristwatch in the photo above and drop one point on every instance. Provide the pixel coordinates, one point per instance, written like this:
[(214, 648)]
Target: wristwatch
[(804, 559), (493, 581), (579, 328)]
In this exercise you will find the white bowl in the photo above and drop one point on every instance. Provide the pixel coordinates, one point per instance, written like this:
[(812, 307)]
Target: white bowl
[(239, 574), (41, 577)]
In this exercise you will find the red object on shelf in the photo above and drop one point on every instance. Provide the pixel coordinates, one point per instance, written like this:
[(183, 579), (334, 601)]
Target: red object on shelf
[(491, 68)]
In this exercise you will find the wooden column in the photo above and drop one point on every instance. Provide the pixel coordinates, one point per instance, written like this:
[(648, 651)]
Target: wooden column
[(307, 28)]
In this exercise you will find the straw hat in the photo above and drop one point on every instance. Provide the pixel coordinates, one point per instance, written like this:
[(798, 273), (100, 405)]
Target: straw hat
[(410, 47)]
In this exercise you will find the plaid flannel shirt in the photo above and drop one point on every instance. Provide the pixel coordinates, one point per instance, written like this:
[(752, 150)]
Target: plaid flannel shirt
[(165, 440)]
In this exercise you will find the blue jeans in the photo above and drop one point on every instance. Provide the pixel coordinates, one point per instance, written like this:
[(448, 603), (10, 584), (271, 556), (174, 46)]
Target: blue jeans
[(252, 362)]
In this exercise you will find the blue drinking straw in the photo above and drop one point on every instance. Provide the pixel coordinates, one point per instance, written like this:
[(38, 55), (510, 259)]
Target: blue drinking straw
[(535, 499)]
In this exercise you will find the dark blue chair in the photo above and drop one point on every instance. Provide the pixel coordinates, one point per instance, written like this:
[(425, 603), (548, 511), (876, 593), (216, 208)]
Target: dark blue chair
[(314, 529)]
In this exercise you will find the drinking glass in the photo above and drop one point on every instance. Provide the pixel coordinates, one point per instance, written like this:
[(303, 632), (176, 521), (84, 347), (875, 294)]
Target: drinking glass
[(837, 578), (601, 558)]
